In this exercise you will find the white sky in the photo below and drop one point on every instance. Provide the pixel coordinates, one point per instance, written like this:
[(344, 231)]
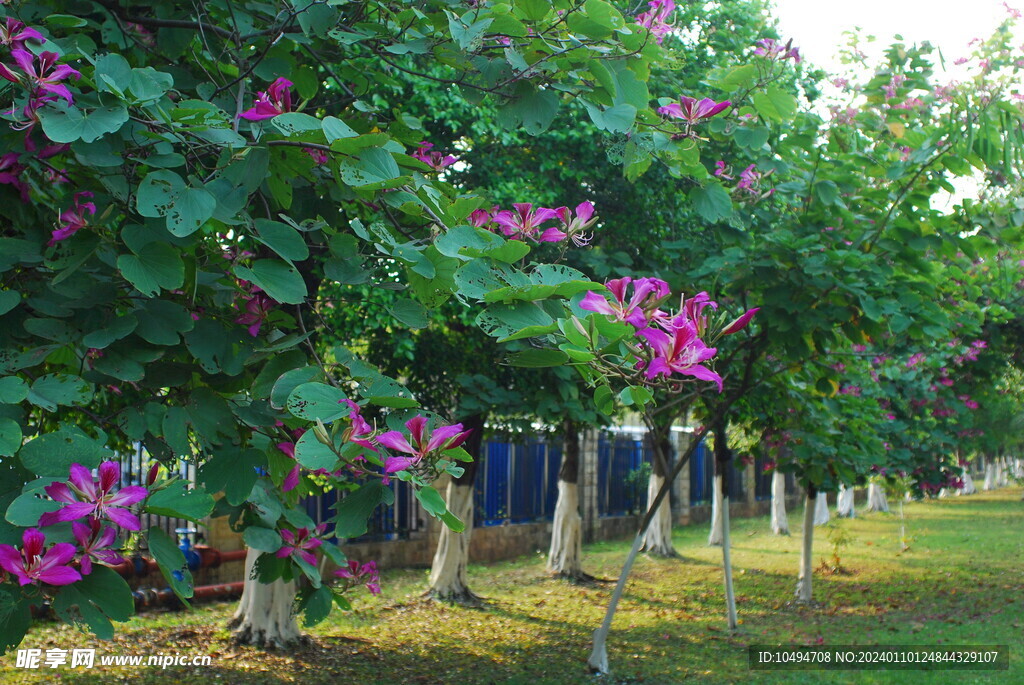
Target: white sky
[(816, 26)]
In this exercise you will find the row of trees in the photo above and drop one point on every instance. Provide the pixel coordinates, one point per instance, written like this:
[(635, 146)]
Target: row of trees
[(309, 246)]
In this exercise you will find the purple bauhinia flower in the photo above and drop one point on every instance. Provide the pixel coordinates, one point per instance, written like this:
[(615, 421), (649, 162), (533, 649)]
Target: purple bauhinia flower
[(14, 33), (365, 573), (641, 307), (360, 431), (31, 563), (74, 218), (301, 543), (740, 322), (692, 110), (434, 160), (656, 18), (575, 225), (276, 99), (85, 497), (769, 48), (93, 543), (423, 442), (258, 306), (525, 223), (44, 79), (681, 351)]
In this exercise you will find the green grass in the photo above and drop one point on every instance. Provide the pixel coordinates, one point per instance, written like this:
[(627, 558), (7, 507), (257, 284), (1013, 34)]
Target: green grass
[(961, 582)]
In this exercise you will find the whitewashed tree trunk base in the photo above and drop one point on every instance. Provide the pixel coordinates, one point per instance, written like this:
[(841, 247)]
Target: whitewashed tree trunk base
[(803, 585), (448, 581), (845, 503), (969, 487), (876, 498), (780, 523), (264, 615), (715, 537), (821, 516), (1001, 479), (565, 558), (990, 477), (658, 538)]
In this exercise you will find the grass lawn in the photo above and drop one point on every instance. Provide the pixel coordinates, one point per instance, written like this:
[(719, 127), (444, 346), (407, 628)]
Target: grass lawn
[(960, 582)]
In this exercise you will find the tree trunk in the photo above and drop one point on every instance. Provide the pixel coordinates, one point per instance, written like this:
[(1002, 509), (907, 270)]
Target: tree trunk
[(658, 539), (264, 615), (990, 475), (447, 580), (803, 585), (780, 523), (723, 463), (821, 510), (876, 498), (1001, 480), (565, 558), (969, 487), (845, 503), (715, 535)]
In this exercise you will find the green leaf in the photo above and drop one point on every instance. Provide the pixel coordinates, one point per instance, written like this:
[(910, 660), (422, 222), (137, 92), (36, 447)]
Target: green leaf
[(534, 358), (313, 454), (26, 509), (262, 539), (410, 312), (12, 390), (156, 266), (59, 389), (10, 437), (712, 201), (66, 124), (282, 239), (431, 500), (775, 104), (281, 281), (172, 563), (373, 167), (616, 119), (179, 501), (96, 599), (604, 400), (290, 380), (9, 299), (314, 401), (356, 508), (315, 605), (192, 208), (335, 128), (157, 192), (296, 122), (234, 471), (52, 454), (456, 524), (148, 84), (15, 618)]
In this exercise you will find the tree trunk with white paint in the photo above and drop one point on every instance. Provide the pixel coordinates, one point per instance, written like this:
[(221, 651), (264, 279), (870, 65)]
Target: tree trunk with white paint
[(821, 516), (845, 503), (715, 536), (565, 558), (969, 487), (876, 498), (658, 539), (723, 462), (447, 581), (1018, 468), (803, 585), (780, 523), (264, 615), (1001, 480), (990, 476)]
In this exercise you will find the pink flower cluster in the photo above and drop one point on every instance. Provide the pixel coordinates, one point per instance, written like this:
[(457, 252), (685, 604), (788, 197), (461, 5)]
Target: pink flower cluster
[(527, 223), (276, 99), (693, 111), (74, 218), (433, 159), (672, 342), (656, 18), (769, 48), (301, 543), (256, 306), (423, 443), (87, 503), (749, 181), (355, 573)]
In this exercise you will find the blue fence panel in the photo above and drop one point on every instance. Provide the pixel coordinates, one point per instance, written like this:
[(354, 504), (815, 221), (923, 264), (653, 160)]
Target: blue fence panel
[(702, 474), (617, 457), (517, 482)]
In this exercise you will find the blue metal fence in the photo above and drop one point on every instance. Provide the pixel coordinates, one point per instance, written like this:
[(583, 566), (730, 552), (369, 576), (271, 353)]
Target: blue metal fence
[(702, 476), (517, 482), (134, 469), (762, 480), (619, 456)]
